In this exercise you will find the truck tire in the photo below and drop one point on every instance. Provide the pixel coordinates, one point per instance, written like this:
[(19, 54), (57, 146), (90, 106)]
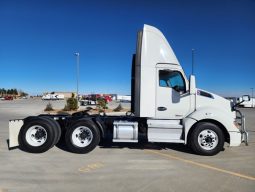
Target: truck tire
[(36, 135), (207, 139), (56, 128), (82, 137)]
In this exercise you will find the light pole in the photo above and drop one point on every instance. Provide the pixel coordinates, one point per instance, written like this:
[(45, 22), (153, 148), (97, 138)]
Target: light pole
[(192, 70), (252, 97), (77, 54)]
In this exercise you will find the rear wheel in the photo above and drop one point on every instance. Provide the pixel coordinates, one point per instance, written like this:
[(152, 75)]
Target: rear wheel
[(36, 135), (207, 139), (56, 126), (82, 137)]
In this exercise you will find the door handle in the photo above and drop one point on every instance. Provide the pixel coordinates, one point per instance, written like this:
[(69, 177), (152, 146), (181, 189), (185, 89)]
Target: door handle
[(162, 108)]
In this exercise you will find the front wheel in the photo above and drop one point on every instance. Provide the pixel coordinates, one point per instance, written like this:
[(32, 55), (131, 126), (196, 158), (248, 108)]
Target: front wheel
[(82, 137), (207, 139)]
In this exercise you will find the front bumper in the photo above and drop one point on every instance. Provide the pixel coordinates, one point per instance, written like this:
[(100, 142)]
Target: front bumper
[(241, 120)]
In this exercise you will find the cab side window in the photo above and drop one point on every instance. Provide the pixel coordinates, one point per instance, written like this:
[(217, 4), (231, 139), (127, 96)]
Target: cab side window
[(172, 79)]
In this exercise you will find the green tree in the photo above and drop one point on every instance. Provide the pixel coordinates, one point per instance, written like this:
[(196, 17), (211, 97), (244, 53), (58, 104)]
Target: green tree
[(15, 92)]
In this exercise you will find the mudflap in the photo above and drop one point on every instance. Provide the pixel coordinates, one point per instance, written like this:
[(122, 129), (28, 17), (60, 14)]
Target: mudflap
[(14, 129)]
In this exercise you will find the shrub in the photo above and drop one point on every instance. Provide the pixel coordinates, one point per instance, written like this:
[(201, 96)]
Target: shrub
[(66, 108), (48, 107), (71, 104), (101, 103), (119, 108)]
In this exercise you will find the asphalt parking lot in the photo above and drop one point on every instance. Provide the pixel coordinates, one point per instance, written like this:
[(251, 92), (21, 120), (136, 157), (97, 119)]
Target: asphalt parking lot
[(125, 167)]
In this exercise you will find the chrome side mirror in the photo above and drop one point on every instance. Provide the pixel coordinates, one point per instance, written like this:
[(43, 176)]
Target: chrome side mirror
[(246, 98)]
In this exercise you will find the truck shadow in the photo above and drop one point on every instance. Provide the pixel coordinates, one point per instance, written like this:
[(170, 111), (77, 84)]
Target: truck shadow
[(143, 144)]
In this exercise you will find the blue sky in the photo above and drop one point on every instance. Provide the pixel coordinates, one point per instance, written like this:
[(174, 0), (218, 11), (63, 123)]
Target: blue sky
[(38, 39)]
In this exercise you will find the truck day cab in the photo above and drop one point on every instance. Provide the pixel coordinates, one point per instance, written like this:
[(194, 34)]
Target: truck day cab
[(166, 107)]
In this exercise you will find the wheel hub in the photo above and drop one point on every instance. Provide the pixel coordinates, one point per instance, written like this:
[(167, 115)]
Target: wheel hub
[(207, 139), (82, 136), (36, 135), (39, 134)]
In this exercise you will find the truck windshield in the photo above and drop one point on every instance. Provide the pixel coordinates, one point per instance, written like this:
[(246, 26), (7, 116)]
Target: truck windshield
[(172, 79)]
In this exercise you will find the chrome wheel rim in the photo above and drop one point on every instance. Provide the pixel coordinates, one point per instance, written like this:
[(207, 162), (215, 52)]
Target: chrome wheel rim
[(208, 139)]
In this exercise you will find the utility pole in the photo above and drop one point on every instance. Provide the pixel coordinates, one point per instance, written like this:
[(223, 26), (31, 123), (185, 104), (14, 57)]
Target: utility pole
[(192, 70), (77, 54)]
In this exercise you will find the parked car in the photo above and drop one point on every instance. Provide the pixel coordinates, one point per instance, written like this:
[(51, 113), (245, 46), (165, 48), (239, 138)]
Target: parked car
[(87, 102), (8, 98)]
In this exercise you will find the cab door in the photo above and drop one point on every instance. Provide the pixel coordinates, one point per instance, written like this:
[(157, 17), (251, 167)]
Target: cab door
[(172, 99)]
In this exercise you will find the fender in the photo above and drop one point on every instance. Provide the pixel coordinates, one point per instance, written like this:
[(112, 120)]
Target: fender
[(216, 114), (101, 126), (188, 123)]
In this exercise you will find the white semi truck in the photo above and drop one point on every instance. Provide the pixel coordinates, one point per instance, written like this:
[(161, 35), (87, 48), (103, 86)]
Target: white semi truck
[(53, 97), (166, 107), (250, 103)]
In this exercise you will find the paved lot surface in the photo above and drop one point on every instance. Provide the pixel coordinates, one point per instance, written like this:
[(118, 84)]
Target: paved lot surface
[(147, 167)]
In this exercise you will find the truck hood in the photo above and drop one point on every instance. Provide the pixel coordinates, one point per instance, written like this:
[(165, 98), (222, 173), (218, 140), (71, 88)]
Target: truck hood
[(208, 99)]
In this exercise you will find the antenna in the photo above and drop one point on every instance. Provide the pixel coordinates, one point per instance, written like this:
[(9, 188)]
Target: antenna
[(192, 71)]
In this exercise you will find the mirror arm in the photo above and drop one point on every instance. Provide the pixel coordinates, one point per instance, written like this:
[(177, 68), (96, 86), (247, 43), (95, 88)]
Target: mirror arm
[(237, 104), (243, 100)]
